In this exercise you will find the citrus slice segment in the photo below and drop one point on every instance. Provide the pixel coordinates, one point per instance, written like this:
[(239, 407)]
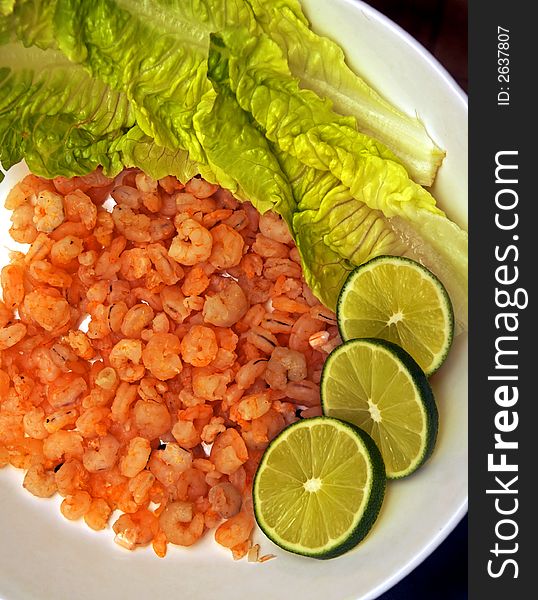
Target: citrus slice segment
[(398, 300), (319, 487), (378, 387)]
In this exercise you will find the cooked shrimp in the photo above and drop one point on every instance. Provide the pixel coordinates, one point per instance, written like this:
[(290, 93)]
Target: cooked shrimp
[(283, 366), (262, 339), (168, 269), (164, 473), (275, 228), (42, 271), (177, 529), (39, 482), (135, 227), (11, 335), (140, 486), (79, 207), (228, 452), (173, 303), (12, 278), (211, 219), (66, 389), (64, 251), (47, 308), (199, 346), (277, 322), (208, 385), (303, 328), (238, 220), (252, 265), (276, 268), (62, 445), (101, 454), (200, 188), (235, 530), (226, 307), (60, 419), (252, 406), (303, 392), (75, 506), (136, 529), (125, 358), (136, 457), (125, 396), (151, 419), (227, 249), (268, 248), (136, 319), (202, 344), (161, 356), (212, 429), (192, 244), (23, 229), (249, 372), (98, 515), (225, 499), (48, 211)]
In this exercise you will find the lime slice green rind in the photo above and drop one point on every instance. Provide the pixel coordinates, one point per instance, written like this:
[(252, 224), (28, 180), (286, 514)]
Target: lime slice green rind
[(368, 299), (338, 516), (407, 431)]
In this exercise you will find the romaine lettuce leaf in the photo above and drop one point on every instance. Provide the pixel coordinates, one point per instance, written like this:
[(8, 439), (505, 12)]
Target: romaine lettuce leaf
[(324, 270), (240, 156), (305, 126), (29, 21), (53, 114), (139, 150), (335, 232), (320, 65), (153, 51), (64, 122)]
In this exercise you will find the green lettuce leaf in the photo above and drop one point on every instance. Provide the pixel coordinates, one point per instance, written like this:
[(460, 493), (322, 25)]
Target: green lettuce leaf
[(305, 126), (333, 231), (139, 150), (351, 234), (324, 270), (320, 65), (116, 84), (154, 52), (30, 21), (240, 156), (53, 114), (64, 122)]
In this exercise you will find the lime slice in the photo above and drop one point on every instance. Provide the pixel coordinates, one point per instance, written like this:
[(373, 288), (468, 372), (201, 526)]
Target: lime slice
[(398, 300), (319, 487), (377, 386)]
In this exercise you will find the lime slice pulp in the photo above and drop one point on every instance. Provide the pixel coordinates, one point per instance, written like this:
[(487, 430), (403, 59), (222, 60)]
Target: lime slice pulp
[(319, 487), (378, 387), (398, 300)]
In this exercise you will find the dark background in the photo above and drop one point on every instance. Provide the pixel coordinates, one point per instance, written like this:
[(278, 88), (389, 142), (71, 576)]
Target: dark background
[(440, 26)]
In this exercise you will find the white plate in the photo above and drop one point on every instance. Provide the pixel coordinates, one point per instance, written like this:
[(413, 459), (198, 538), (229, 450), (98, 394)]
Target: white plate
[(44, 556)]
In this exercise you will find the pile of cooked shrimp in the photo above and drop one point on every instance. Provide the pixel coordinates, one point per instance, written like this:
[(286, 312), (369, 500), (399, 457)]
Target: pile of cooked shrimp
[(153, 339)]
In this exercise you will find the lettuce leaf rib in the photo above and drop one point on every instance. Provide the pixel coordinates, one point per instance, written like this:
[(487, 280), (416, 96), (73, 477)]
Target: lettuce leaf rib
[(320, 66)]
